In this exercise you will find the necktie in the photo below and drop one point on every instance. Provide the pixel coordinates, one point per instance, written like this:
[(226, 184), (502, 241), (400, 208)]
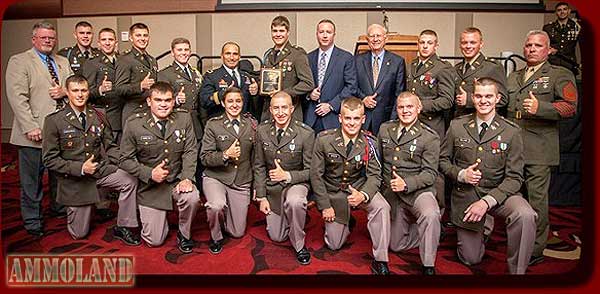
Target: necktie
[(529, 73), (163, 127), (236, 125), (279, 135), (147, 60), (51, 69), (484, 127), (275, 54), (236, 78), (82, 119), (322, 67), (375, 70), (419, 66), (349, 148), (402, 132), (466, 68), (186, 70)]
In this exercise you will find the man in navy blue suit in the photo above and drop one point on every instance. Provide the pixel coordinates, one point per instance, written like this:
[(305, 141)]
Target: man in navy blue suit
[(380, 79), (334, 74)]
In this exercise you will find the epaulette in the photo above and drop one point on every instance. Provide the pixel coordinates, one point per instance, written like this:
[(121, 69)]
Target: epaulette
[(510, 122), (301, 124), (327, 132), (299, 48), (389, 122), (426, 127), (56, 110), (216, 118), (137, 116), (492, 60), (181, 109), (464, 116), (368, 134), (127, 52)]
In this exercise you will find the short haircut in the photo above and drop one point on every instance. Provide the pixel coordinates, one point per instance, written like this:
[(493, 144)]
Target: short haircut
[(231, 90), (42, 25), (161, 87), (281, 94), (326, 21), (376, 25), (428, 32), (472, 30), (180, 41), (407, 94), (107, 30), (351, 103), (281, 21), (486, 81), (76, 79), (138, 25), (84, 24), (561, 4), (230, 43), (539, 32)]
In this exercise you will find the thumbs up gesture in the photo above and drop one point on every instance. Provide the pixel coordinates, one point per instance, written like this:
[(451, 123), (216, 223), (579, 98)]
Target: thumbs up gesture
[(472, 174), (146, 83), (181, 95), (56, 92), (234, 150), (397, 183), (278, 174), (461, 98), (89, 166), (253, 88), (531, 104), (160, 173), (106, 85), (356, 197)]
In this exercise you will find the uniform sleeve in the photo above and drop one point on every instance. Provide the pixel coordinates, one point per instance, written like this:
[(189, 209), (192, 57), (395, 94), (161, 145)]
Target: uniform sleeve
[(429, 167), (190, 154), (305, 82), (260, 168), (110, 145), (207, 90), (124, 85), (129, 161), (350, 85), (513, 171), (500, 76), (303, 176), (209, 155), (565, 99), (51, 152), (371, 185), (447, 166), (444, 99), (18, 95), (317, 171), (89, 71), (399, 86)]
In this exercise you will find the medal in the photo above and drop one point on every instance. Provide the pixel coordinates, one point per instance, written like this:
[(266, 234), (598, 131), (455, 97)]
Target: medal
[(503, 146), (357, 158), (292, 146)]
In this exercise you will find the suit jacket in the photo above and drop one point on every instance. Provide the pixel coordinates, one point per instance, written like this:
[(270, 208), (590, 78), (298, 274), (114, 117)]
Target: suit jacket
[(339, 82), (94, 71), (67, 145), (554, 87), (482, 67), (293, 154), (434, 85), (214, 85), (219, 134), (27, 84), (500, 157), (331, 171), (414, 158), (390, 84), (143, 147)]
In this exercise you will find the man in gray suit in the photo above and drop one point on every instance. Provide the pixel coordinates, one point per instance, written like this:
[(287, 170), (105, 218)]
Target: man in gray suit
[(33, 89)]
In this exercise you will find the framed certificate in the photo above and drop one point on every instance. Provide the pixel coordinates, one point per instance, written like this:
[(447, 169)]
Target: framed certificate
[(270, 81)]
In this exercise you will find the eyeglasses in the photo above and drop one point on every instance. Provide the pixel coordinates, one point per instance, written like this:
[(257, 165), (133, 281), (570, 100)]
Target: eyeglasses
[(375, 36), (46, 38)]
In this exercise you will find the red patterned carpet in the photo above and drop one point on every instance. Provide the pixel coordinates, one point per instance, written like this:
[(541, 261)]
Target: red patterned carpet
[(256, 254)]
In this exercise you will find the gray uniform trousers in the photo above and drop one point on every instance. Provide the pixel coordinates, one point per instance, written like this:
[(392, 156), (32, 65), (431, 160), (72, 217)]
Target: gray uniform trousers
[(425, 214), (291, 224), (520, 228), (78, 217), (378, 215), (154, 221), (226, 206)]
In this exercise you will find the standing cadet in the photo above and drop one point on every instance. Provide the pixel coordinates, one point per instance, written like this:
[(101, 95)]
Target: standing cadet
[(564, 34), (474, 66), (136, 71), (345, 173), (410, 151), (73, 139), (482, 154), (281, 173), (217, 81), (293, 62), (159, 148), (82, 51), (540, 96), (226, 154)]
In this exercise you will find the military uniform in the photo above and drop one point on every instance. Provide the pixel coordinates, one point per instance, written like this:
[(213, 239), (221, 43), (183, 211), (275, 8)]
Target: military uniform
[(77, 58), (482, 67), (564, 38), (131, 69), (227, 183), (214, 85), (414, 157), (66, 146), (297, 79), (554, 88), (332, 171), (500, 157), (143, 147), (287, 199)]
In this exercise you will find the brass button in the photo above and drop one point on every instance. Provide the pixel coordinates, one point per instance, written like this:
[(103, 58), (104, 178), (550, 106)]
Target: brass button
[(345, 171), (278, 151), (87, 154), (344, 178), (397, 148), (478, 160), (463, 82), (166, 150), (394, 168), (166, 141), (430, 118), (278, 159), (346, 162), (145, 143), (87, 144), (85, 135), (395, 157), (235, 166), (480, 148)]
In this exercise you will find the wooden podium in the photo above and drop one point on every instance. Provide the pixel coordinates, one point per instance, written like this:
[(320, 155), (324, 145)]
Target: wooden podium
[(403, 45)]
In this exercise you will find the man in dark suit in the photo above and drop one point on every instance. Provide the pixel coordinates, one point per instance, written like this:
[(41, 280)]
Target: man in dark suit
[(380, 79), (334, 74)]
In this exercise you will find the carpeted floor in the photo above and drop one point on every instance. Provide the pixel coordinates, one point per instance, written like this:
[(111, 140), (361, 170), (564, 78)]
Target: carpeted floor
[(256, 254)]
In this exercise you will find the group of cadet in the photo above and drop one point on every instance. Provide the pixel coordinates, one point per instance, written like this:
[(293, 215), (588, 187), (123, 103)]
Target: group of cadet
[(350, 132)]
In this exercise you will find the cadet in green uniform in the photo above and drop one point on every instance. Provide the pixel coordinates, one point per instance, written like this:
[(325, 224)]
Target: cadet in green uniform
[(82, 51), (136, 71), (410, 151), (281, 173), (297, 79), (564, 34), (541, 95), (345, 173), (482, 154), (73, 139), (160, 149)]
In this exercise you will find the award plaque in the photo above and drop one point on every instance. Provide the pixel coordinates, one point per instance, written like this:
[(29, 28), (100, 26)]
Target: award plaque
[(270, 81)]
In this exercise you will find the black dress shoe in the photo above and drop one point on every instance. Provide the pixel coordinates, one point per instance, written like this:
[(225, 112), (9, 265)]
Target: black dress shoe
[(36, 233), (449, 224), (428, 271), (215, 247), (184, 245), (104, 214), (379, 268), (303, 256), (58, 214), (126, 235), (535, 260)]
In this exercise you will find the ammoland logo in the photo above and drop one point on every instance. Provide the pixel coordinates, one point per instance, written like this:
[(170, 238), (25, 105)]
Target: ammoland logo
[(69, 270)]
